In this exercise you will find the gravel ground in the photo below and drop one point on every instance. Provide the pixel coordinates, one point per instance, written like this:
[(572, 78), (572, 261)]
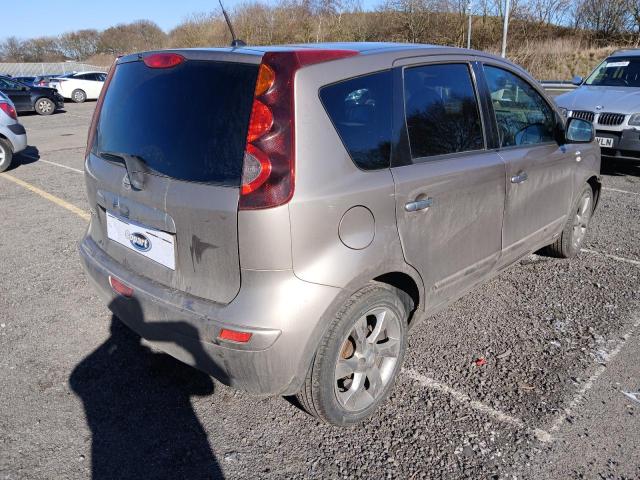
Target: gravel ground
[(81, 396)]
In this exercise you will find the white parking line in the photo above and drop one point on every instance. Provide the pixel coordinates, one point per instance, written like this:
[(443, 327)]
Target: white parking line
[(61, 166), (579, 396), (620, 191), (465, 399), (612, 257), (52, 163)]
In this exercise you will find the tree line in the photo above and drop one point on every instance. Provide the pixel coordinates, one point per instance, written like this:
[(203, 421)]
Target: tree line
[(596, 22)]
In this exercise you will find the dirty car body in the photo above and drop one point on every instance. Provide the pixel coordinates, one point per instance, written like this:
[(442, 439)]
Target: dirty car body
[(331, 194)]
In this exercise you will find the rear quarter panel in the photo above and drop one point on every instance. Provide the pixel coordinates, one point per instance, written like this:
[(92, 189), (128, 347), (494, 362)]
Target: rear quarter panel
[(328, 184)]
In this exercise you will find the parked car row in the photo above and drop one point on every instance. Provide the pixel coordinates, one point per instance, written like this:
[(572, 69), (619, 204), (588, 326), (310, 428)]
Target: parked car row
[(45, 94)]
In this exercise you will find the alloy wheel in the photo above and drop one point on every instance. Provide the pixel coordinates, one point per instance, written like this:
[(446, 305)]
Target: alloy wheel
[(581, 220), (367, 359)]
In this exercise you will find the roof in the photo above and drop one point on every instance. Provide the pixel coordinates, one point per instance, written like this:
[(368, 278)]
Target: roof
[(631, 52)]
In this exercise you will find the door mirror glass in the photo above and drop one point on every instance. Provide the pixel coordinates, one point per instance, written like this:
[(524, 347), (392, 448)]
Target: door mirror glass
[(577, 80), (579, 131)]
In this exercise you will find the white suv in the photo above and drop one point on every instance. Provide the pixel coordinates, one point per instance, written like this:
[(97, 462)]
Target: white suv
[(79, 86), (13, 137)]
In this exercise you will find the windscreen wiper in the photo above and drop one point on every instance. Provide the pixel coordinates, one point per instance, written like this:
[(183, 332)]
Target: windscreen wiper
[(135, 165)]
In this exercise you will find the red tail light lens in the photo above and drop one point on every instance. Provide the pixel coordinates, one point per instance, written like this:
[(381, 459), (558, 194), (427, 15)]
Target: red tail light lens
[(120, 288), (163, 60), (96, 112), (261, 121), (234, 336), (9, 110), (269, 168)]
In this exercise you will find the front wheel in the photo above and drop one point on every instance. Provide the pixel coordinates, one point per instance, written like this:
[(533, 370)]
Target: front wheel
[(44, 106), (359, 358), (6, 155), (570, 241)]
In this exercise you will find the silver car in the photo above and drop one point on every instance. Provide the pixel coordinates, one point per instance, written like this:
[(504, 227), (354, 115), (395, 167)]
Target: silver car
[(13, 137), (610, 98), (280, 217)]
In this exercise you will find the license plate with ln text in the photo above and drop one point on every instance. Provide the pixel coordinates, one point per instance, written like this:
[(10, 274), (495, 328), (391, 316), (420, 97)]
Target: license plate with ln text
[(605, 142)]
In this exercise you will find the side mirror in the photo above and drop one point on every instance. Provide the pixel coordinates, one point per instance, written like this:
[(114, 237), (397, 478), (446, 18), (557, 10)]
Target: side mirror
[(577, 80), (24, 89), (579, 131)]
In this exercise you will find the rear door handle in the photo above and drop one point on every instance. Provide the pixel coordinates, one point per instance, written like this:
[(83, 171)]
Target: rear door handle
[(416, 205), (520, 178)]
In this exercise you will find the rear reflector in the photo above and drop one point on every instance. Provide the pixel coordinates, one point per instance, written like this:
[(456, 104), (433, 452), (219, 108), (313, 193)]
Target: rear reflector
[(9, 110), (163, 60), (120, 287), (234, 336)]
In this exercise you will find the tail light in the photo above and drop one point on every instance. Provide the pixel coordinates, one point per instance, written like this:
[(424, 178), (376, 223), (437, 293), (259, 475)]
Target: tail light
[(96, 112), (9, 110), (269, 163)]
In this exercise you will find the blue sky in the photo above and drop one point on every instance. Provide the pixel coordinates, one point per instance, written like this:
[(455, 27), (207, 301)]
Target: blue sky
[(32, 18)]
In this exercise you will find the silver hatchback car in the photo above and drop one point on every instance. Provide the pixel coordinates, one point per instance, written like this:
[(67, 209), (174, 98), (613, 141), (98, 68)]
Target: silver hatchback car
[(279, 216)]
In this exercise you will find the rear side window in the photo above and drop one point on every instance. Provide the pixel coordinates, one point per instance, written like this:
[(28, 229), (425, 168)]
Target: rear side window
[(441, 110), (360, 109), (188, 122)]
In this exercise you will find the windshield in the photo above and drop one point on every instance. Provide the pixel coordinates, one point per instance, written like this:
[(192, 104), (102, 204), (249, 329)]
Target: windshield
[(188, 122), (616, 72)]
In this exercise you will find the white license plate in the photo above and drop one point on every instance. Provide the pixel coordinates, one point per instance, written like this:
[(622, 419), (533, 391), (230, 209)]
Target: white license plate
[(153, 244), (605, 142)]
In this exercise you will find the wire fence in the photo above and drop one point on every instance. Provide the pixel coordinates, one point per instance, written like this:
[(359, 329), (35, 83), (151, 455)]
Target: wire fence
[(34, 69)]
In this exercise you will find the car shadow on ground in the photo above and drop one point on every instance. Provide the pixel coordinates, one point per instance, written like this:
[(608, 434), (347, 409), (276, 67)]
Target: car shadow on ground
[(138, 407), (617, 167), (29, 155)]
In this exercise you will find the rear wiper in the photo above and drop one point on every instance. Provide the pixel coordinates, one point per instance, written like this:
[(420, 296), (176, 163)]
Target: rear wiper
[(135, 165)]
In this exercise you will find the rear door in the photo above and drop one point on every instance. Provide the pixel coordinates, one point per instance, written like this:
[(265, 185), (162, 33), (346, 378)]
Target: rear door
[(539, 171), (450, 187), (186, 126)]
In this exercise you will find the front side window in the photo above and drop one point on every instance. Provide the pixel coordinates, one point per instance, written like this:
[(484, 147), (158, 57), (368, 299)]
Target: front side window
[(441, 110), (360, 110), (522, 115), (616, 72)]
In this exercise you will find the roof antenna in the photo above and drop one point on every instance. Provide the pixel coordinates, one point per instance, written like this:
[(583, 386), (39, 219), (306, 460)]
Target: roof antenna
[(235, 42)]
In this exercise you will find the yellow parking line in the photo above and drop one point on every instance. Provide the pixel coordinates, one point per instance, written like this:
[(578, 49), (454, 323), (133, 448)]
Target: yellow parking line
[(52, 198)]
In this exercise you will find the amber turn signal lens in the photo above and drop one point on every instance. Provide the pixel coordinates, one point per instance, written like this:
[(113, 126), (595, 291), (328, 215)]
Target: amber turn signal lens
[(266, 76)]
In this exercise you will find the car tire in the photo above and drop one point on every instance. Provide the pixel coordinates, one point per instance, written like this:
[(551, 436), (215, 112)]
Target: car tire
[(44, 106), (6, 154), (568, 244), (358, 360), (79, 95)]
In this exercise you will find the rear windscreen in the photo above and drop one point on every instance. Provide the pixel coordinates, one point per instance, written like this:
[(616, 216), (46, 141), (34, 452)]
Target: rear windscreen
[(188, 122)]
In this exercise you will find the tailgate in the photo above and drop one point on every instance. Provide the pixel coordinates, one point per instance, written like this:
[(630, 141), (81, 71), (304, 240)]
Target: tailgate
[(186, 126)]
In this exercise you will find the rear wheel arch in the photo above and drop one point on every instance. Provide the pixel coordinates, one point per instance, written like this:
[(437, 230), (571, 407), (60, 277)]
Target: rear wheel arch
[(399, 277)]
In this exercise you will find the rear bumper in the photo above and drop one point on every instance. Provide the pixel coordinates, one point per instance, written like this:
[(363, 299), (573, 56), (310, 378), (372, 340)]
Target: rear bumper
[(626, 144), (284, 314), (16, 135)]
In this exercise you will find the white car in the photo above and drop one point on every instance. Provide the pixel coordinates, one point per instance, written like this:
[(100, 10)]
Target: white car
[(79, 86), (13, 137)]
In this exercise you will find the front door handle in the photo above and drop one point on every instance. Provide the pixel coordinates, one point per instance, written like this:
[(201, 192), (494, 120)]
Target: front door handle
[(416, 205), (520, 178)]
